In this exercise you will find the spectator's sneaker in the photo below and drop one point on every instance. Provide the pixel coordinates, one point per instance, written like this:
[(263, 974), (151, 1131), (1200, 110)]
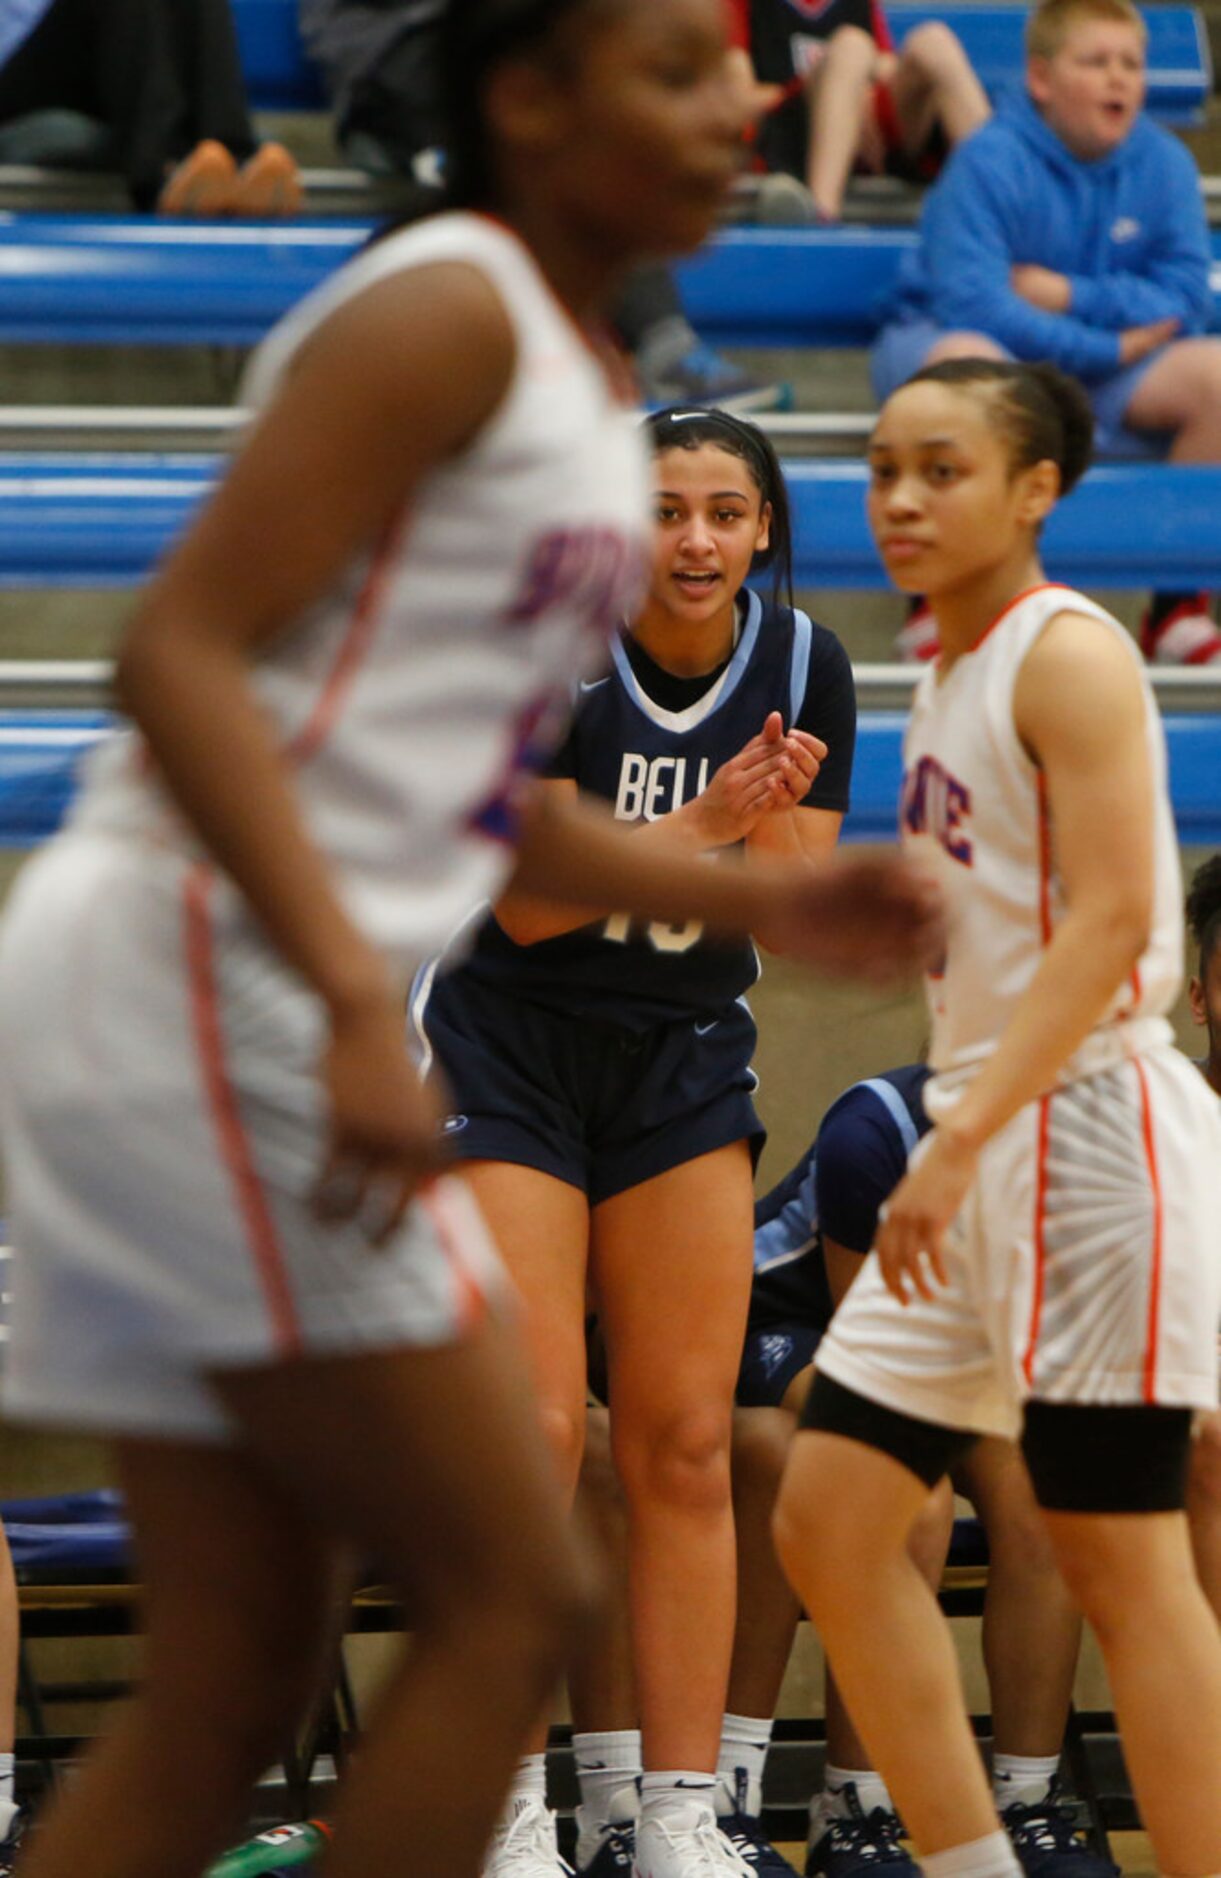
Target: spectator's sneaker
[(1044, 1836), (860, 1844), (745, 1835), (774, 198), (204, 183), (702, 376), (524, 1846), (10, 1845), (613, 1855), (687, 1843), (916, 641), (268, 184), (1186, 635)]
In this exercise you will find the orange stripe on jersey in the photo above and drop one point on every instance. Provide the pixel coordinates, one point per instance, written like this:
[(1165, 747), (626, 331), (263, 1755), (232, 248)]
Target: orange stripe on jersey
[(1044, 859), (231, 1136), (1040, 1241), (1155, 1276), (353, 648), (1042, 586), (471, 1300)]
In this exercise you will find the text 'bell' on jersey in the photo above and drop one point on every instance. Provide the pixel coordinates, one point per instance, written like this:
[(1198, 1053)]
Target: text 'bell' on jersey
[(646, 762), (974, 805), (441, 663)]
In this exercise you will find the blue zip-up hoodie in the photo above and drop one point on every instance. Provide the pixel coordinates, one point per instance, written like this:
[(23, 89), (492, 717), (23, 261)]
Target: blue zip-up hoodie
[(1128, 230)]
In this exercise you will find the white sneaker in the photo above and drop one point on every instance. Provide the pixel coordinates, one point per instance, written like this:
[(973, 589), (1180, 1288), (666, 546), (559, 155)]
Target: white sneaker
[(523, 1844), (685, 1842)]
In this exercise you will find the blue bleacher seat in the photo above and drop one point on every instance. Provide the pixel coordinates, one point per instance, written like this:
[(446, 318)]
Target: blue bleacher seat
[(40, 752), (100, 520), (279, 75), (128, 280)]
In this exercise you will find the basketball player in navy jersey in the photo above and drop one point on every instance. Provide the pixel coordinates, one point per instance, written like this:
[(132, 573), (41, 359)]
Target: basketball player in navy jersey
[(601, 1079)]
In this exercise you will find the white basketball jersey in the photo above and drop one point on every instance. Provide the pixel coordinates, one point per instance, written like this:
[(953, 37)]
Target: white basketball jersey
[(974, 807), (409, 696)]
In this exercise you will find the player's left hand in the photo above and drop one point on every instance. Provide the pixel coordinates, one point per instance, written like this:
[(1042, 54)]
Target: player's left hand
[(912, 1224)]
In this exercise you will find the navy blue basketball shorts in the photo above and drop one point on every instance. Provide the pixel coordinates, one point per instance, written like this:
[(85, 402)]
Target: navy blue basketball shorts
[(771, 1357), (600, 1105)]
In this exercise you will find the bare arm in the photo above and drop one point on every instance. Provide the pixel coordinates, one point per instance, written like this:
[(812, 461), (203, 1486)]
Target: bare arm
[(1079, 709), (768, 773)]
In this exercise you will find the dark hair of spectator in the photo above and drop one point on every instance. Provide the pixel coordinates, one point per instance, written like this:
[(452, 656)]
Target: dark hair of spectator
[(1044, 413), (681, 427), (1204, 910)]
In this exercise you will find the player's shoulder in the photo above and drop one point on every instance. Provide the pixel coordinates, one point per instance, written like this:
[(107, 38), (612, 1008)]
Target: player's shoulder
[(891, 1102)]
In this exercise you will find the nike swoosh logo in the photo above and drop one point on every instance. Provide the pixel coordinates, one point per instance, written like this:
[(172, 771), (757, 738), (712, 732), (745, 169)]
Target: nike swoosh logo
[(701, 1030), (593, 684)]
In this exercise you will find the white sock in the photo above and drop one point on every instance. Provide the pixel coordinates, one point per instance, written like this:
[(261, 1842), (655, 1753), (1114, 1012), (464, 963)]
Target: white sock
[(608, 1769), (674, 1791), (529, 1784), (990, 1857), (1024, 1777), (744, 1745), (8, 1806), (870, 1790)]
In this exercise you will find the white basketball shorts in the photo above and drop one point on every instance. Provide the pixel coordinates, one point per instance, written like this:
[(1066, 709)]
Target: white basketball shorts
[(1085, 1265), (163, 1127)]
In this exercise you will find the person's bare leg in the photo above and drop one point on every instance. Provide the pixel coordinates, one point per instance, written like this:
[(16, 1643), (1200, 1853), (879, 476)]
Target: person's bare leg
[(768, 1612), (1134, 1578), (935, 83), (1181, 392), (839, 98), (1204, 1505), (1032, 1624), (541, 1229), (431, 1460), (927, 1545), (842, 1527), (672, 1262), (237, 1581)]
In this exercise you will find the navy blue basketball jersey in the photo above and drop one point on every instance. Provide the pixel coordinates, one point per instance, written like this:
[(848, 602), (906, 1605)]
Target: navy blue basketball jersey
[(645, 761), (836, 1188)]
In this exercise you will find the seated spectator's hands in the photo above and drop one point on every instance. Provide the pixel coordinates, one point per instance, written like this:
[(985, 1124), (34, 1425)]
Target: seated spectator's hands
[(1042, 287), (1137, 342)]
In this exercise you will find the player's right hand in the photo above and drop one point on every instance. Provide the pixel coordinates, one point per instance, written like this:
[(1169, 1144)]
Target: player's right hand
[(773, 771), (384, 1123), (1137, 342)]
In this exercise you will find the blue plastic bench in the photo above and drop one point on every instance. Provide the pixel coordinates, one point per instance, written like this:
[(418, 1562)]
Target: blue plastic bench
[(101, 521), (123, 280), (279, 75), (41, 751)]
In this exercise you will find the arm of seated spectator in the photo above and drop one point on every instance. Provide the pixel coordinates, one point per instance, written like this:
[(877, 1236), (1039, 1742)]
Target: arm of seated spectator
[(1167, 275), (975, 230)]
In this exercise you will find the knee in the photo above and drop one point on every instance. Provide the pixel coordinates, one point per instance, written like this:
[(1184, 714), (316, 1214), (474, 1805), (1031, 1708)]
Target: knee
[(680, 1459), (563, 1427), (761, 1438), (935, 50), (963, 345), (850, 49)]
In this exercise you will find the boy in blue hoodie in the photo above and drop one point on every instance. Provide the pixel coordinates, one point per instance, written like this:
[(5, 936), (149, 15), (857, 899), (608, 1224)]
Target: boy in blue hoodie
[(1071, 228)]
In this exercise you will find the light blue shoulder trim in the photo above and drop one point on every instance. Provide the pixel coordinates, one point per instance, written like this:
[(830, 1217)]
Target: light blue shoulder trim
[(799, 672), (896, 1108), (724, 687)]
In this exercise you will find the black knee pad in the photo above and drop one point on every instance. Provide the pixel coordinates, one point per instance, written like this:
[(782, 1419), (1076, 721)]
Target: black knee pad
[(1086, 1457), (926, 1449)]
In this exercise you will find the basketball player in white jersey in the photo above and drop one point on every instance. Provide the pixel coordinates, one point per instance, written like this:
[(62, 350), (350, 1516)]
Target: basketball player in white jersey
[(1055, 1247), (214, 1143)]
